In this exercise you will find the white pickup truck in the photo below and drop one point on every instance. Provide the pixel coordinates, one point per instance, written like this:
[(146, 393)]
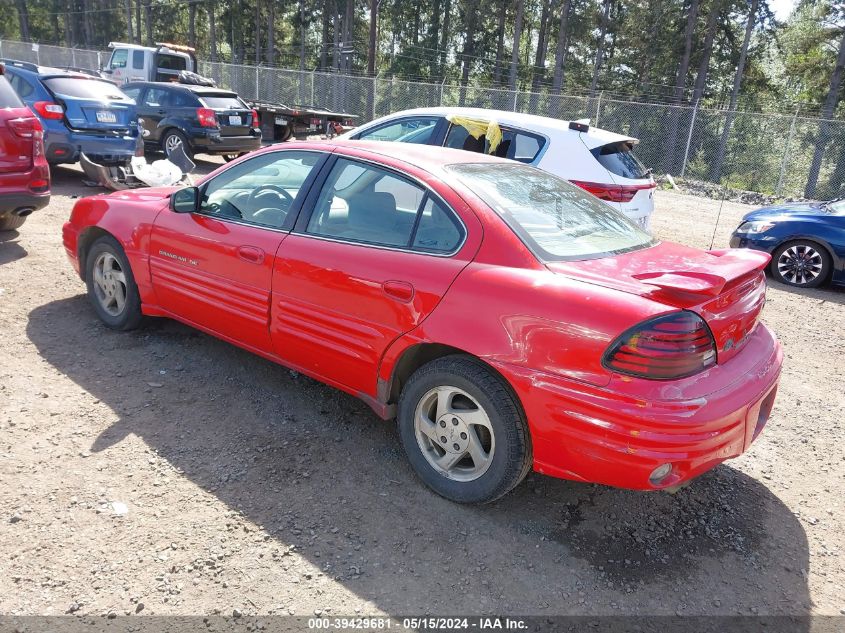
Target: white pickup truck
[(162, 62)]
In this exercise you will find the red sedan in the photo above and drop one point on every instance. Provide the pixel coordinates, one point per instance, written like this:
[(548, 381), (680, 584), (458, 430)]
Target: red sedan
[(507, 319)]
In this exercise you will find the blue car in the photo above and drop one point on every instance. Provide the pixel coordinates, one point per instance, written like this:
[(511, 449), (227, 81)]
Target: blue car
[(805, 239), (79, 113)]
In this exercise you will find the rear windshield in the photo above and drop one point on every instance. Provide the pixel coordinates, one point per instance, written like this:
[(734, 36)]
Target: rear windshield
[(81, 88), (223, 102), (557, 220), (8, 97), (172, 62), (619, 159)]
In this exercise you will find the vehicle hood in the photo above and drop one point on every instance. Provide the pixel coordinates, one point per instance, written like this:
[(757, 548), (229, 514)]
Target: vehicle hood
[(144, 194), (671, 273), (787, 211)]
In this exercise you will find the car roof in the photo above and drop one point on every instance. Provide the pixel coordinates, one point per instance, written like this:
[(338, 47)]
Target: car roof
[(44, 71), (594, 137), (200, 90)]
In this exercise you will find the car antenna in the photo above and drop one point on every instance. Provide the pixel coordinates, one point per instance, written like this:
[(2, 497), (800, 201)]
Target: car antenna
[(718, 215)]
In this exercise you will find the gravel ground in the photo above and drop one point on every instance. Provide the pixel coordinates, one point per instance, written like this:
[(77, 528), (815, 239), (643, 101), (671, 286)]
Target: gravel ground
[(165, 472)]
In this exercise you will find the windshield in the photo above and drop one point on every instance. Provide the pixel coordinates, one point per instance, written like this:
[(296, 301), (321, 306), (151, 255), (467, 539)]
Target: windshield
[(556, 220), (836, 207), (82, 88)]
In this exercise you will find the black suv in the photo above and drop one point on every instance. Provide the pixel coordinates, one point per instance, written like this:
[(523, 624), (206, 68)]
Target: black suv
[(199, 118)]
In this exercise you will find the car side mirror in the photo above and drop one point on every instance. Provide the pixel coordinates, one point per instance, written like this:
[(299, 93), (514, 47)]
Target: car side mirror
[(185, 200)]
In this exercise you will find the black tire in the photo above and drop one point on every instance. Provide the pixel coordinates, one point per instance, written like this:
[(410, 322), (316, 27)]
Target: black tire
[(129, 317), (230, 157), (176, 134), (512, 457), (286, 134), (788, 259), (11, 222)]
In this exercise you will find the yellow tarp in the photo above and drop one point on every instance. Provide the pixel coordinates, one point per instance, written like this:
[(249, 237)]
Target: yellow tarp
[(478, 128)]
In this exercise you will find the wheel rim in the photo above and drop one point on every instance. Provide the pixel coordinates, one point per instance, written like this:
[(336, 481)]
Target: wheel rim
[(109, 284), (454, 433), (800, 264), (172, 143)]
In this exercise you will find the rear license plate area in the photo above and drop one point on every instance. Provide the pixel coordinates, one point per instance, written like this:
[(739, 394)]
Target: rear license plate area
[(234, 120), (105, 116)]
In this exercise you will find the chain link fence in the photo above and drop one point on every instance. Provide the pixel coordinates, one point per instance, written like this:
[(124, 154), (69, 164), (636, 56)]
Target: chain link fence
[(770, 153)]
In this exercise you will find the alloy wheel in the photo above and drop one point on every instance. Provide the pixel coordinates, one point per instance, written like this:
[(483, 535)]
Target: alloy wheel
[(800, 264), (109, 284)]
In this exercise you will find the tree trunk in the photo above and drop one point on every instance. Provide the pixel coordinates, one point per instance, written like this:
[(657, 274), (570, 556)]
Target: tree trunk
[(560, 50), (87, 29), (302, 32), (129, 30), (271, 33), (335, 36), (192, 24), (517, 37), (600, 47), (148, 19), (444, 38), (434, 37), (23, 19), (257, 27), (704, 63), (500, 43), (538, 72), (348, 33), (372, 51), (670, 149), (830, 103), (54, 20), (326, 20), (716, 172), (469, 46), (212, 31), (137, 36)]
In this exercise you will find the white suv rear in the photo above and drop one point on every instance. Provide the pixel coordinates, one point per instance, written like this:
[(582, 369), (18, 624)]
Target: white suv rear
[(599, 161)]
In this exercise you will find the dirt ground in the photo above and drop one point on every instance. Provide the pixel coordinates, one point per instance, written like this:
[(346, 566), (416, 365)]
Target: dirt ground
[(165, 472)]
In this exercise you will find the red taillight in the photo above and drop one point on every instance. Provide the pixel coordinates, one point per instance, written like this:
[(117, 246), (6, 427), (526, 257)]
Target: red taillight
[(255, 119), (39, 186), (612, 193), (670, 346), (49, 110), (29, 127), (207, 117)]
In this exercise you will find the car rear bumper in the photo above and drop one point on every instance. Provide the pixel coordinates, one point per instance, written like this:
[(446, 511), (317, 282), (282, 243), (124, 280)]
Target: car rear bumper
[(99, 148), (226, 144), (614, 437), (22, 202)]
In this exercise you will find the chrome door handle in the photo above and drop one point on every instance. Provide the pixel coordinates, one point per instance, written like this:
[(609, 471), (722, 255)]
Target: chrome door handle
[(251, 254)]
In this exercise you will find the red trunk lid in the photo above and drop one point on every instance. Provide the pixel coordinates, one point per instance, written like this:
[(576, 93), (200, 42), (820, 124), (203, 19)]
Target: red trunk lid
[(16, 151), (727, 288)]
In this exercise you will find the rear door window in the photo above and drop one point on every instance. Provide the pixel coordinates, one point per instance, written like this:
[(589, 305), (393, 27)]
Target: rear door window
[(8, 97), (81, 88), (21, 86), (138, 60), (516, 144), (619, 159)]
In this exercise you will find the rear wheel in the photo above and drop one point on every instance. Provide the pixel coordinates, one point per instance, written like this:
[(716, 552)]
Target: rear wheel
[(111, 285), (230, 157), (173, 140), (11, 222), (463, 430), (802, 263)]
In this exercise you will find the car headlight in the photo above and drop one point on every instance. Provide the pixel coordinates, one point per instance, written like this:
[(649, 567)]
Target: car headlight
[(755, 227)]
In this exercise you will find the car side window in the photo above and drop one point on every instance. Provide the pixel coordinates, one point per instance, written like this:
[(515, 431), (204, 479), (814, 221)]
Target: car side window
[(132, 93), (180, 99), (516, 144), (411, 130), (364, 203), (261, 190), (21, 86), (138, 60), (119, 58), (155, 97)]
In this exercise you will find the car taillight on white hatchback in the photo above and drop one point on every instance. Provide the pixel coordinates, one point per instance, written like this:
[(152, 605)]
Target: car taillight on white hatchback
[(611, 192), (670, 346)]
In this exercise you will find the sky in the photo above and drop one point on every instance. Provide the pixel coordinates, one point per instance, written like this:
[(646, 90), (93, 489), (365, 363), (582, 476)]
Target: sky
[(782, 8)]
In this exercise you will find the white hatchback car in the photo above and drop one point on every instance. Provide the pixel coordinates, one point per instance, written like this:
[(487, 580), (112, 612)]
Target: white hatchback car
[(599, 161)]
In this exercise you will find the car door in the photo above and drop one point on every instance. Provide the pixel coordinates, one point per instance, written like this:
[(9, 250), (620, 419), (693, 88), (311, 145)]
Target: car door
[(152, 108), (213, 267), (372, 254)]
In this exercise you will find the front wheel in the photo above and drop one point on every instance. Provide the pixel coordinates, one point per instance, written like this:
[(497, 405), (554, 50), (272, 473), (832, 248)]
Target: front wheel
[(11, 222), (802, 263), (463, 430), (111, 285)]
